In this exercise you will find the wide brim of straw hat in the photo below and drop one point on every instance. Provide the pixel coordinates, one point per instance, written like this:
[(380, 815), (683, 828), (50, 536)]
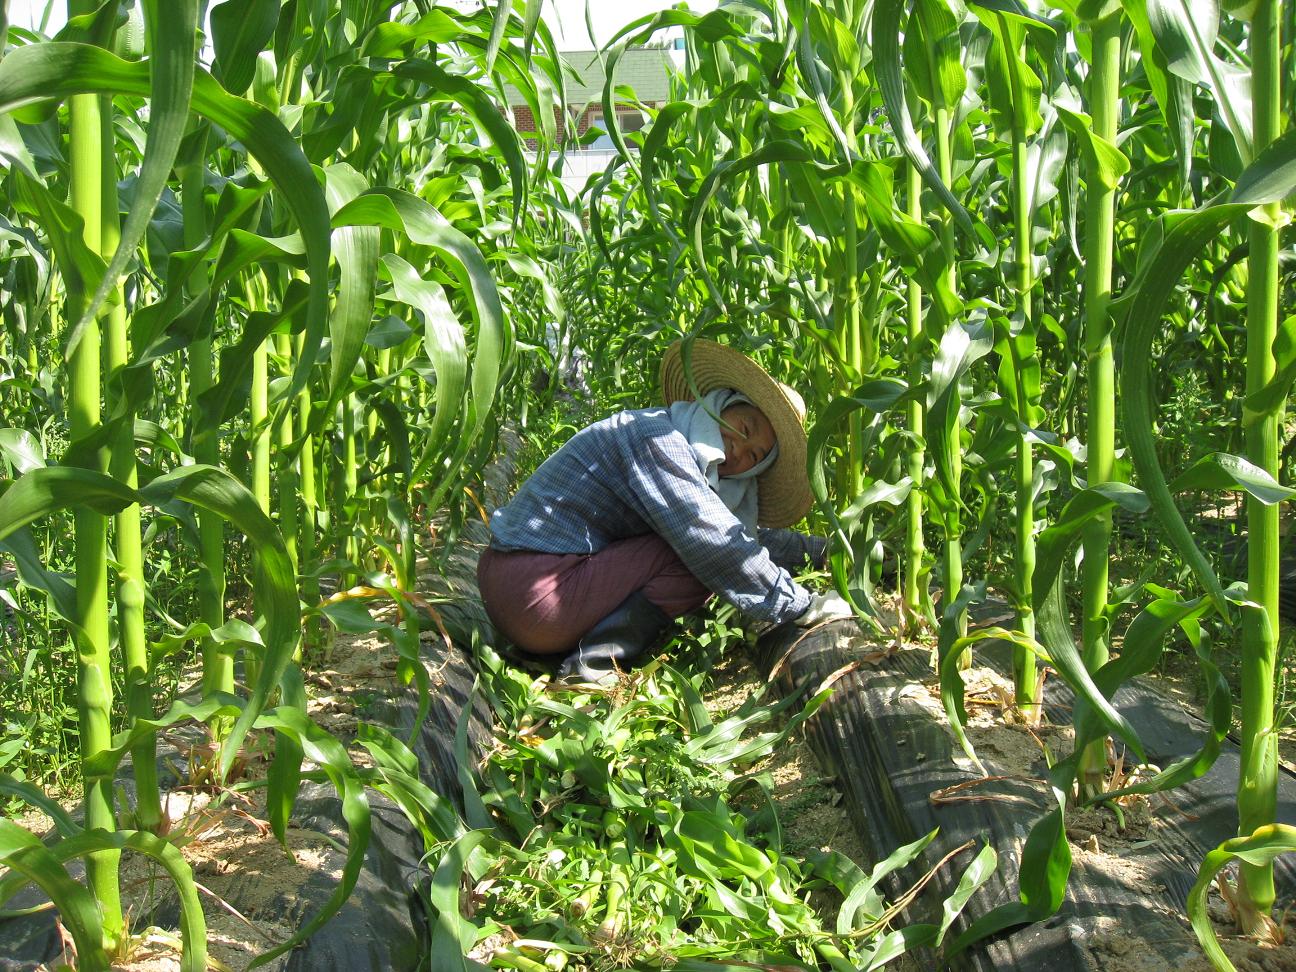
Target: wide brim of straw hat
[(784, 495)]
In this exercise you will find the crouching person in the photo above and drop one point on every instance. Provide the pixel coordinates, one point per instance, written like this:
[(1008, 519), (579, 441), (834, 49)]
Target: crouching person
[(641, 517)]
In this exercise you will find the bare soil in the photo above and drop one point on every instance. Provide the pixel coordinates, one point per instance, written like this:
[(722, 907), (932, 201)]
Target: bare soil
[(808, 801)]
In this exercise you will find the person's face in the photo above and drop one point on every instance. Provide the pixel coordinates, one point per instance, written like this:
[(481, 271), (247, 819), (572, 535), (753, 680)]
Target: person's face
[(748, 438)]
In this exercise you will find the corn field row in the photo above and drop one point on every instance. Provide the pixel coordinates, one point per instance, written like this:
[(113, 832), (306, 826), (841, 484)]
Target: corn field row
[(264, 317)]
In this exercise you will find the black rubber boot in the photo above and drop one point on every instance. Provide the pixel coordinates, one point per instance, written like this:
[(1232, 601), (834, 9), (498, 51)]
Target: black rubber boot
[(616, 643)]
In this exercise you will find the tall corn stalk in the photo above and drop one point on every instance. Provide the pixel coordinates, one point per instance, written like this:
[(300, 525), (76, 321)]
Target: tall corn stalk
[(915, 597), (1103, 101), (1258, 779), (88, 114), (942, 48), (127, 535), (218, 662)]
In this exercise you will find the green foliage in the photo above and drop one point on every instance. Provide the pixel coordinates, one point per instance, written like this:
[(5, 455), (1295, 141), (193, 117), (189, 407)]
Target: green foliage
[(635, 822)]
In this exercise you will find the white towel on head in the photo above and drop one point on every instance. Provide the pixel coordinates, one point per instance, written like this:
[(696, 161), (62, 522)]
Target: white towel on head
[(698, 421)]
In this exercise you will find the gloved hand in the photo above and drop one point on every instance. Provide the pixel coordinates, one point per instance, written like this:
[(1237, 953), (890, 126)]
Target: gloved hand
[(829, 606)]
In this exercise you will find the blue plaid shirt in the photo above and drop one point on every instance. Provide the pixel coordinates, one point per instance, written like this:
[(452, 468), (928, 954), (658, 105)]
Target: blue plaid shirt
[(633, 473)]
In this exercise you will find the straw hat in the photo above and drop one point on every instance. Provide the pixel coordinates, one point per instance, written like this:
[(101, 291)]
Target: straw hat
[(784, 495)]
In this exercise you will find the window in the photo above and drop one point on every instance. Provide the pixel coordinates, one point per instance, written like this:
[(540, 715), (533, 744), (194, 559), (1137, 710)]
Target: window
[(629, 120)]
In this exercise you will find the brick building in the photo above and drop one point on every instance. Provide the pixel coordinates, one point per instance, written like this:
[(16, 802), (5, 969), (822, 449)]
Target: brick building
[(646, 70)]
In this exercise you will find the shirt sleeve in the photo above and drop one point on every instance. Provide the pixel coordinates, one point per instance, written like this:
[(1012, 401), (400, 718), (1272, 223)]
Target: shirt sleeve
[(792, 550), (672, 496)]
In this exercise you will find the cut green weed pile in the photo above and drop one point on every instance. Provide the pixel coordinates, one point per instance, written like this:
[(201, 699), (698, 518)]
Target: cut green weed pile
[(631, 830)]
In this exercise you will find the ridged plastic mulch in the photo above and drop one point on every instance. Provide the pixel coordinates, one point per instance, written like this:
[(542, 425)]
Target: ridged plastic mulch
[(886, 740)]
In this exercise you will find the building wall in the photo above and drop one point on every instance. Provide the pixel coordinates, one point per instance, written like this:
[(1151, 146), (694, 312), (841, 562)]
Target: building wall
[(524, 122)]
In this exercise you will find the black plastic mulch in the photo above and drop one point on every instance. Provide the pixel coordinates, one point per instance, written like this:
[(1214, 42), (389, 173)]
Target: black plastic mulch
[(890, 754)]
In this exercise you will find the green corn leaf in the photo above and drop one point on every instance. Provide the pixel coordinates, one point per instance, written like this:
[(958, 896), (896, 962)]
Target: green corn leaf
[(1046, 864), (1045, 867), (530, 22), (1221, 471), (1272, 176), (150, 435), (397, 432), (699, 719), (229, 396), (1271, 398), (949, 646), (58, 69), (887, 17), (712, 27), (1150, 629), (1055, 634), (880, 397), (503, 11), (1058, 648), (1019, 370), (778, 151), (1172, 93), (445, 345), (284, 776), (1014, 89), (977, 873), (525, 265), (331, 756), (400, 770), (173, 29), (351, 617), (1101, 157), (81, 267), (765, 743), (863, 896), (449, 942), (537, 79), (240, 31), (43, 491), (438, 26), (1185, 32), (61, 595), (726, 735), (243, 250), (1057, 541), (217, 705), (933, 53), (1187, 236), (405, 213), (472, 99), (960, 347), (27, 856), (914, 244), (475, 811), (95, 27), (896, 943), (1260, 847), (237, 206), (233, 633), (390, 332), (193, 927), (356, 250), (12, 787), (668, 116), (813, 69)]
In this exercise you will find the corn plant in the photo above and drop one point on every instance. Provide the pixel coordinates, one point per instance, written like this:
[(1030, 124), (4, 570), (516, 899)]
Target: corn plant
[(249, 255)]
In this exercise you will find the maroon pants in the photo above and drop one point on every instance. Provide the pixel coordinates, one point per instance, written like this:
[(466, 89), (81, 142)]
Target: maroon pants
[(545, 603)]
